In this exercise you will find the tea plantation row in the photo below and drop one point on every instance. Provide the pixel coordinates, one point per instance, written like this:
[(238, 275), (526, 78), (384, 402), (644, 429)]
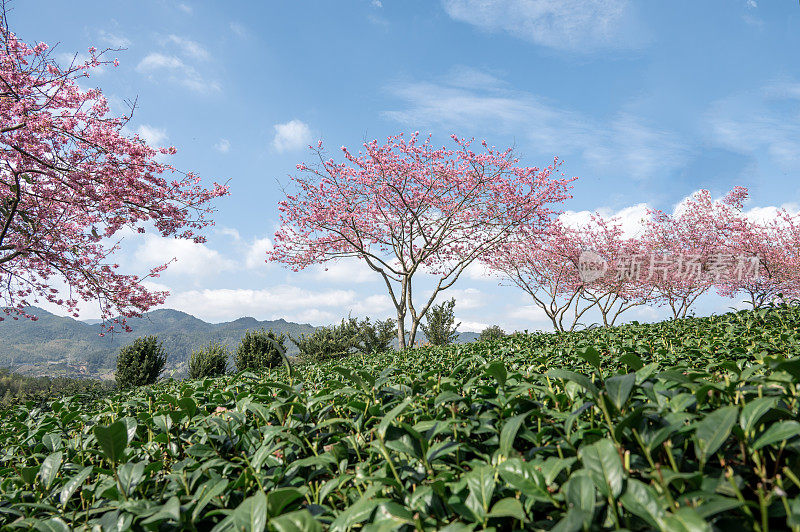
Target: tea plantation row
[(686, 425)]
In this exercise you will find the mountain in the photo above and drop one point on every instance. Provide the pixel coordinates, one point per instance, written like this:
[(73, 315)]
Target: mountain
[(55, 345)]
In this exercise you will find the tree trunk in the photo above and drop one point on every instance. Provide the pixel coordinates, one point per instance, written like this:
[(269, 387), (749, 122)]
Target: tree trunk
[(401, 329)]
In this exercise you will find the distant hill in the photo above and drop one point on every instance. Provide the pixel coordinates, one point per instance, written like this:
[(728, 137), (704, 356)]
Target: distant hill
[(55, 345)]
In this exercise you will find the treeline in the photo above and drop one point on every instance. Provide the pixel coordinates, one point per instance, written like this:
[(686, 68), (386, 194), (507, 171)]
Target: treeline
[(20, 389)]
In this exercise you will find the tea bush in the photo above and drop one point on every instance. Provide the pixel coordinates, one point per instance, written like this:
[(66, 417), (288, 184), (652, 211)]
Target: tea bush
[(259, 350), (211, 361), (140, 363), (330, 342), (440, 328), (684, 425)]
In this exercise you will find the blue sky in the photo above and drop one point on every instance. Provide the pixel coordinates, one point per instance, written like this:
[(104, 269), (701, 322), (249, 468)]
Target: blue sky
[(645, 102)]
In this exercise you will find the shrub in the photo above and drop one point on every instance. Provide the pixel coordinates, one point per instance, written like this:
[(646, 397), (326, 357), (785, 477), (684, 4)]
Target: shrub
[(260, 350), (140, 363), (211, 361), (440, 329), (329, 342), (376, 337), (491, 333)]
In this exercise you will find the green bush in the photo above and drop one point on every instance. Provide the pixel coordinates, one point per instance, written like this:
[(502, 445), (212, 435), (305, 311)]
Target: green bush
[(259, 350), (329, 342), (376, 337), (211, 361), (491, 333), (440, 329), (140, 363)]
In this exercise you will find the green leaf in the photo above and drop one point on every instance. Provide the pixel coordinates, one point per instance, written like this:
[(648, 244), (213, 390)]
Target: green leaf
[(509, 433), (777, 432), (251, 514), (579, 492), (632, 361), (577, 378), (712, 431), (278, 499), (54, 524), (619, 388), (130, 475), (299, 521), (207, 491), (355, 513), (642, 500), (169, 511), (525, 478), (49, 469), (685, 520), (391, 415), (754, 410), (508, 507), (73, 484), (602, 461), (590, 355), (480, 482), (188, 405), (498, 370), (113, 440)]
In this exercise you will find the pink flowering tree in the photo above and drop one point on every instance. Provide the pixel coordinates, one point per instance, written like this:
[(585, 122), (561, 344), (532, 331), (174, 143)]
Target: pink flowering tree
[(613, 292), (767, 260), (546, 266), (571, 270), (407, 208), (685, 252), (70, 179)]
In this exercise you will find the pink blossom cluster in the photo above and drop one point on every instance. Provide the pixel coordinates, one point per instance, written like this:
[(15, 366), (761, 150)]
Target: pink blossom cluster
[(70, 180)]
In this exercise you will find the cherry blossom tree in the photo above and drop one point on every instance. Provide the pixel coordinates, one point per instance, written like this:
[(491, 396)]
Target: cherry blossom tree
[(405, 207), (773, 245), (685, 251), (614, 291), (552, 269), (546, 266), (70, 180)]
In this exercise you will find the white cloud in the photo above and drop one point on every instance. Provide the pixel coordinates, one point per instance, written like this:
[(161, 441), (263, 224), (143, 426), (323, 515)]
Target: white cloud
[(289, 302), (292, 135), (376, 3), (194, 260), (575, 25), (466, 298), (223, 146), (468, 100), (153, 136), (229, 231), (471, 326), (189, 48), (752, 4), (185, 8), (257, 253), (345, 271), (377, 307), (114, 40), (177, 71), (239, 30), (631, 219), (757, 123)]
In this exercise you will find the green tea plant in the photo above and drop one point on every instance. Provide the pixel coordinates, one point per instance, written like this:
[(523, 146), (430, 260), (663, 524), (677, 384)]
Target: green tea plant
[(140, 363), (211, 361), (440, 329), (492, 333), (691, 424), (376, 337), (329, 342), (259, 350)]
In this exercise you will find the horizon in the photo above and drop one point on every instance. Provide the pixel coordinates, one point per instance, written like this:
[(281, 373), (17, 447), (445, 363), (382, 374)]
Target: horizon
[(684, 96)]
